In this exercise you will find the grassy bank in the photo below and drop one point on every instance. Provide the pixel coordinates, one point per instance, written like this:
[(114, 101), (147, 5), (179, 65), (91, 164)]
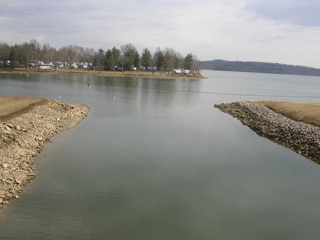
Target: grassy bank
[(303, 112), (139, 74), (13, 106)]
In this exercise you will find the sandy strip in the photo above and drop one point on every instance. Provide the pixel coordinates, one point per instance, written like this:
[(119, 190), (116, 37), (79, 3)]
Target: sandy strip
[(300, 137), (134, 74), (24, 135)]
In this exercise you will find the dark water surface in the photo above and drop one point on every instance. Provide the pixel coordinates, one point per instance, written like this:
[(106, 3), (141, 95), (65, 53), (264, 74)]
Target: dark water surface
[(159, 162)]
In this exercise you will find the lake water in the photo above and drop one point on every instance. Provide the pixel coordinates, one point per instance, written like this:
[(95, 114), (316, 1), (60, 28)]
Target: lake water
[(160, 162)]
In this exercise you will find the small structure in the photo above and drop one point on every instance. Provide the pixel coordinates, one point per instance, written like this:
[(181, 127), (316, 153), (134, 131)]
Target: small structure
[(177, 71), (45, 67)]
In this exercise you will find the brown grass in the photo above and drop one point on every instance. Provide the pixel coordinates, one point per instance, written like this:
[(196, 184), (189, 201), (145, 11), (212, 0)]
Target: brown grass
[(14, 106), (304, 112)]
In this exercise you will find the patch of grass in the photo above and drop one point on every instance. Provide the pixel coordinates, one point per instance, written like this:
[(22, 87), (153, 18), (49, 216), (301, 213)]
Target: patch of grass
[(304, 112), (14, 106)]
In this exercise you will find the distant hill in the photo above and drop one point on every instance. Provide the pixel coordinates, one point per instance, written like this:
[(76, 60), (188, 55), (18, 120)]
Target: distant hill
[(260, 67)]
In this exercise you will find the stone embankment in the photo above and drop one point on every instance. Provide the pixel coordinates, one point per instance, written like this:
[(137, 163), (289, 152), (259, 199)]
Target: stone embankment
[(23, 137), (298, 136)]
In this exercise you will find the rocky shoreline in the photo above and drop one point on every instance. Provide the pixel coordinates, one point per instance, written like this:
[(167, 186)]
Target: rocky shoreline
[(298, 136), (24, 136)]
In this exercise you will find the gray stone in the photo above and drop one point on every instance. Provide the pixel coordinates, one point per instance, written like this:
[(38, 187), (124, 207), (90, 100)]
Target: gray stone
[(298, 136)]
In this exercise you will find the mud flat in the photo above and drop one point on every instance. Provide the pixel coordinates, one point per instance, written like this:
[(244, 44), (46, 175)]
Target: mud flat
[(300, 137), (23, 134)]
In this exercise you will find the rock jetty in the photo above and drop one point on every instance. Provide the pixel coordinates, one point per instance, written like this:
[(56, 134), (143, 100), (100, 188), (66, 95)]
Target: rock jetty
[(24, 136), (298, 136)]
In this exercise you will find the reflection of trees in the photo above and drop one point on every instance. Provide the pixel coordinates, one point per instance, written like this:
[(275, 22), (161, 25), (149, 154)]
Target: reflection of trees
[(166, 94), (147, 96)]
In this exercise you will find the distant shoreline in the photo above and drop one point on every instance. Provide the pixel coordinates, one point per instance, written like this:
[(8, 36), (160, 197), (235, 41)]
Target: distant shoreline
[(271, 73), (259, 67), (134, 74)]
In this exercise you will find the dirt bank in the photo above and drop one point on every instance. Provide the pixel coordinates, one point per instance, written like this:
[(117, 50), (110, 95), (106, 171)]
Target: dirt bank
[(24, 135), (298, 136)]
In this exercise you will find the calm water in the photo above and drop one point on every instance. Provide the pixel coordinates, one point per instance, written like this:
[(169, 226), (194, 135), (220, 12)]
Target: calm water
[(159, 162)]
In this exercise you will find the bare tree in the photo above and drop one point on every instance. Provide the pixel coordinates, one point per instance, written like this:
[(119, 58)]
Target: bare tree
[(71, 53), (62, 54), (26, 54), (178, 63), (196, 65), (88, 55), (129, 54), (100, 58), (169, 59), (35, 49), (46, 52)]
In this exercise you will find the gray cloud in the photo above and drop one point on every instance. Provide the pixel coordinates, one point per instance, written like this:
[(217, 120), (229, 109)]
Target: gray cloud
[(298, 12), (208, 28)]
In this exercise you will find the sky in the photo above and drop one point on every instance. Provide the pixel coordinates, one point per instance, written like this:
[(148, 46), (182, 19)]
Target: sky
[(280, 31)]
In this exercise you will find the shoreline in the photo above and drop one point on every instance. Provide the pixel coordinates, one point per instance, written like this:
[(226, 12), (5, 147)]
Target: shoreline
[(298, 136), (23, 136), (134, 74)]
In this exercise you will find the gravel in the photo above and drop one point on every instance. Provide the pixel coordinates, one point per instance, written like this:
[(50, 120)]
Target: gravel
[(23, 137), (300, 137)]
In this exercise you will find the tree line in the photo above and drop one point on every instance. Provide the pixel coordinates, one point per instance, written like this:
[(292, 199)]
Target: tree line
[(125, 58), (260, 67)]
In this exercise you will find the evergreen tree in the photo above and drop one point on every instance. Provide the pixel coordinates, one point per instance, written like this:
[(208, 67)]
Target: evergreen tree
[(188, 60), (146, 58), (4, 54), (100, 58), (137, 60), (109, 60), (14, 56), (116, 56), (176, 62), (160, 61)]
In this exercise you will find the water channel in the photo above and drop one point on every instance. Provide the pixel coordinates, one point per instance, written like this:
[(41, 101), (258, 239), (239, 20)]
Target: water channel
[(159, 162)]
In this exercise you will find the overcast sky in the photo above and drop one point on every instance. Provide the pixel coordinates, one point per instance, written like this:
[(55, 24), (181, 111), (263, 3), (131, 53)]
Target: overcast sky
[(284, 31)]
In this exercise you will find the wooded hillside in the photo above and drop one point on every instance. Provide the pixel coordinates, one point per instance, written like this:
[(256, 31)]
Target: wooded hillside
[(261, 67)]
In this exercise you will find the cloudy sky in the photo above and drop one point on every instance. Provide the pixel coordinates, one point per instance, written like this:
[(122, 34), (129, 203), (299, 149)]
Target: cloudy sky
[(283, 31)]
